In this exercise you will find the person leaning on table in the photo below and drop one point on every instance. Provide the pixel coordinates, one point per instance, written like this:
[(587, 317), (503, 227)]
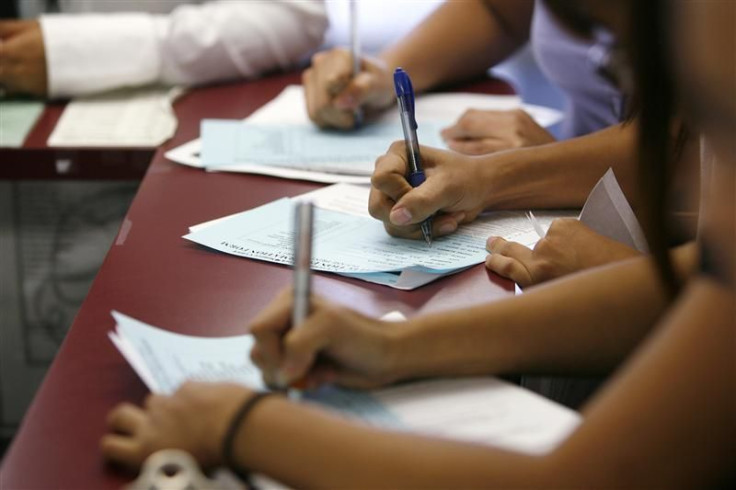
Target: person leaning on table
[(667, 419), (504, 160), (98, 45)]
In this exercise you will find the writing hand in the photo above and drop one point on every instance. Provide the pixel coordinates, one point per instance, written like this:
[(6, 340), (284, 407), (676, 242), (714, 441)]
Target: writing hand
[(568, 247), (334, 345), (22, 58), (454, 188), (194, 419), (479, 132), (332, 94)]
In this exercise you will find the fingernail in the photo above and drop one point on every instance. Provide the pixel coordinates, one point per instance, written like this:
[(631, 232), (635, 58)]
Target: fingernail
[(491, 241), (400, 216), (448, 228), (460, 217)]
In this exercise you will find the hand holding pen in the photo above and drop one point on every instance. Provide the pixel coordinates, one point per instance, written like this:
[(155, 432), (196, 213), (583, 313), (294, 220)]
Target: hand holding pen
[(455, 191)]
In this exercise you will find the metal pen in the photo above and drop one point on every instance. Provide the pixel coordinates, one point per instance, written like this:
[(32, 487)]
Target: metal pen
[(405, 97), (355, 53), (303, 231)]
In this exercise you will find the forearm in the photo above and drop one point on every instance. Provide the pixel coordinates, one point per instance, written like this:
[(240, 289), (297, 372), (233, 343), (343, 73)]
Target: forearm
[(582, 324), (306, 448), (461, 40), (561, 174)]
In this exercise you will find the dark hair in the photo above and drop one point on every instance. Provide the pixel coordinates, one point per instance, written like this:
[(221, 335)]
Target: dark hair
[(654, 104), (654, 79)]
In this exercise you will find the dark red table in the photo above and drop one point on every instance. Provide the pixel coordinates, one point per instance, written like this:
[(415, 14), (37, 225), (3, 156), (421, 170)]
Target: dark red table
[(152, 274), (36, 160)]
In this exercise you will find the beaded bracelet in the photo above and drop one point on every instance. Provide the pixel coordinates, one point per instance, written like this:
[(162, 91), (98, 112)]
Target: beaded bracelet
[(232, 431)]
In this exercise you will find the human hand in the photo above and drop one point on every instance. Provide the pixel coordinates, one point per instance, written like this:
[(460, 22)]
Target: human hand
[(479, 132), (194, 419), (333, 94), (22, 58), (568, 247), (334, 345), (454, 188)]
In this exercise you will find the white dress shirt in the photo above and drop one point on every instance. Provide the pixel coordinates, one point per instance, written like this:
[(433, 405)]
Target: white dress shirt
[(97, 45)]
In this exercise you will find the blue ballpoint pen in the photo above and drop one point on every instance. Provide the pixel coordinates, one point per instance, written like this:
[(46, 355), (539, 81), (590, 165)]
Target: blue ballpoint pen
[(405, 97)]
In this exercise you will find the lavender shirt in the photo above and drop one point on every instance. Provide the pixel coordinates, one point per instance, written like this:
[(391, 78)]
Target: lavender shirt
[(592, 103)]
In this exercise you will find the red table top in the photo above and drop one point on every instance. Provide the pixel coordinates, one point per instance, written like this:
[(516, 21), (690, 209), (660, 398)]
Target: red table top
[(36, 160), (152, 274)]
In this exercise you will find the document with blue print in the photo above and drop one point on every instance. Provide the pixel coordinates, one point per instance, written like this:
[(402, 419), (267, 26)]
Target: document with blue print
[(482, 410), (287, 112), (302, 146), (349, 242)]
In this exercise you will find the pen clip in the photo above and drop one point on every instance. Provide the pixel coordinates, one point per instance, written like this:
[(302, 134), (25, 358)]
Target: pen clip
[(405, 94)]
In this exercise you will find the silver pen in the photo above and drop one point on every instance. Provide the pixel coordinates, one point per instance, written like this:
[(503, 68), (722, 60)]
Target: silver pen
[(355, 53), (303, 231)]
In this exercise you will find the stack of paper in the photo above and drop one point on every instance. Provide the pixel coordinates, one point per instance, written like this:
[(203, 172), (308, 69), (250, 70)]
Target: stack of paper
[(280, 140), (349, 242), (481, 410), (140, 118)]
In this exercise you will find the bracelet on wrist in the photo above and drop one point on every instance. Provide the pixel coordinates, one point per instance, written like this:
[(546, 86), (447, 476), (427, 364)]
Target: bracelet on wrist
[(237, 420)]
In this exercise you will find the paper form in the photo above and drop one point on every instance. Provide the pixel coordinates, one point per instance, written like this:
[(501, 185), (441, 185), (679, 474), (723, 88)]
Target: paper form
[(127, 118), (482, 410), (348, 241), (164, 360), (302, 146), (608, 213), (17, 118), (433, 110)]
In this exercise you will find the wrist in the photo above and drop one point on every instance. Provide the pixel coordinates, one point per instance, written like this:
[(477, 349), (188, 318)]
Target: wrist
[(231, 437), (498, 173)]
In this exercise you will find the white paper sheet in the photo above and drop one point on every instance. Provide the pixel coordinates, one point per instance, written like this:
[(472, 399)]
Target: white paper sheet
[(136, 118), (608, 213), (482, 410)]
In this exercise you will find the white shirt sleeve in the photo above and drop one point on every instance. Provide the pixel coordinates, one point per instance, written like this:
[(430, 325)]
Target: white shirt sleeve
[(194, 44)]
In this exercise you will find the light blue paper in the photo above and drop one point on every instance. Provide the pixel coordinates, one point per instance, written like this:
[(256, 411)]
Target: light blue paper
[(17, 118), (165, 360), (343, 243), (303, 146)]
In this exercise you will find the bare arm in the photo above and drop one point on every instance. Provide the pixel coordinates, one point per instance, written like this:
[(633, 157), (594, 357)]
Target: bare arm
[(587, 323), (458, 187), (461, 40), (666, 421), (561, 174)]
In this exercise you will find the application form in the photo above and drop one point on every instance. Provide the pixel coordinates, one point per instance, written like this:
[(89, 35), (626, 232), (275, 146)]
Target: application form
[(482, 410), (347, 241), (434, 111), (302, 146)]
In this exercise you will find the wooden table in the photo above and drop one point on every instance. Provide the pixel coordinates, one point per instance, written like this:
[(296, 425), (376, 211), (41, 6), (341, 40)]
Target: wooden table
[(154, 275)]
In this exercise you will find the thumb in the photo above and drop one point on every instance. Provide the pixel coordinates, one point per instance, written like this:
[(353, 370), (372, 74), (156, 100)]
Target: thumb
[(420, 203), (357, 92)]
